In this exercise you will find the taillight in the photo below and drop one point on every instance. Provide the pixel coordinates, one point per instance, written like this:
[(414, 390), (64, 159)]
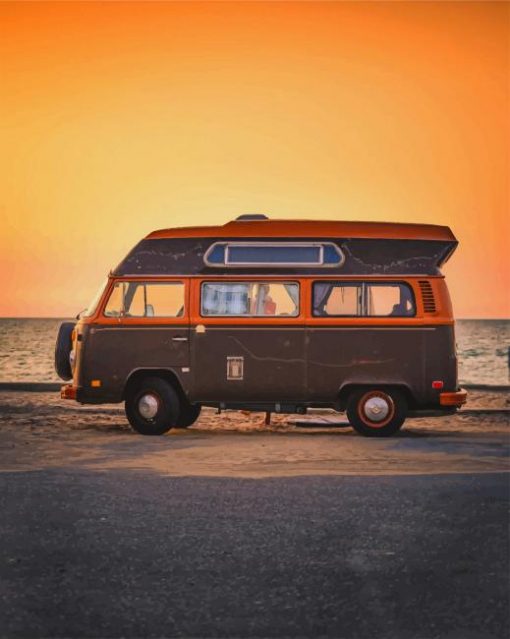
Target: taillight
[(437, 384)]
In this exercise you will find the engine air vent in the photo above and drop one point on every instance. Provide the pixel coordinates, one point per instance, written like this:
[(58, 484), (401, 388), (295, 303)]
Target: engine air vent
[(251, 217), (427, 294)]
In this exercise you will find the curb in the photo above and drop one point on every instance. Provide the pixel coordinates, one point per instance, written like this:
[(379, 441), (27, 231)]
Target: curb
[(31, 387)]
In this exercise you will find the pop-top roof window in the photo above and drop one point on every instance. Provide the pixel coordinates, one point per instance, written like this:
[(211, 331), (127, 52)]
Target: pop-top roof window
[(273, 254)]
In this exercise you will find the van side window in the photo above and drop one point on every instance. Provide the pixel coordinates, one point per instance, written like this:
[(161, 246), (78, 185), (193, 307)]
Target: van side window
[(337, 298), (251, 299), (146, 299), (363, 299), (389, 300)]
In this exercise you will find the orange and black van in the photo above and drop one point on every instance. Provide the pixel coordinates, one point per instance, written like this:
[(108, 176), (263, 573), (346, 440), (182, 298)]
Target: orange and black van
[(271, 315)]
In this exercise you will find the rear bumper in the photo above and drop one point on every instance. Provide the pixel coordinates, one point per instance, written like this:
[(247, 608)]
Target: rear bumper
[(457, 398)]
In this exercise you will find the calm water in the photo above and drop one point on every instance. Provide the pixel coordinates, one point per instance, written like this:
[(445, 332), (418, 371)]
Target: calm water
[(26, 350)]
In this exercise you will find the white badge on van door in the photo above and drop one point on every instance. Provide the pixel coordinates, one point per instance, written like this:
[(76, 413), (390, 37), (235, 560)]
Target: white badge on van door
[(235, 368)]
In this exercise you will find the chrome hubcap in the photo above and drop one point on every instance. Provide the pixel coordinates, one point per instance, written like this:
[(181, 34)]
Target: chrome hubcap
[(376, 409), (148, 406)]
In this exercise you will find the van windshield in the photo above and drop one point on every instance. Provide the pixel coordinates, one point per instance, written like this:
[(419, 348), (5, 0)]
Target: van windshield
[(91, 308)]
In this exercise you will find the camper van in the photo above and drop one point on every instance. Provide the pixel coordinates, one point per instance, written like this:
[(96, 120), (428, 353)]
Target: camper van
[(275, 316)]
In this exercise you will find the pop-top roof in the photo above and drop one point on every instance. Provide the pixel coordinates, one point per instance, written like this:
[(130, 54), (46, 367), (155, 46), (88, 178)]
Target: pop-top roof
[(261, 227)]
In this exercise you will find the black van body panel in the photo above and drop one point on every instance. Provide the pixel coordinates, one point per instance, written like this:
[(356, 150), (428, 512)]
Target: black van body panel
[(411, 357), (178, 256), (287, 364), (273, 364)]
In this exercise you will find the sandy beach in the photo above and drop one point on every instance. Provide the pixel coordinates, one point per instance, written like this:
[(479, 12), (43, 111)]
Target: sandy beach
[(41, 431)]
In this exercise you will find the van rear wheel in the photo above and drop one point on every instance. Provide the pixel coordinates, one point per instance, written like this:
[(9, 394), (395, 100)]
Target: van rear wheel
[(153, 407), (375, 412)]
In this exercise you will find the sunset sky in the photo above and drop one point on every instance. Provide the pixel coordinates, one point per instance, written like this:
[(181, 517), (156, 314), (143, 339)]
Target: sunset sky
[(117, 119)]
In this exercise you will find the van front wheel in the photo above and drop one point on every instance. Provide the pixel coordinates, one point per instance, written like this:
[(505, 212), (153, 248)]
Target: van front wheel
[(188, 415), (376, 413), (153, 407)]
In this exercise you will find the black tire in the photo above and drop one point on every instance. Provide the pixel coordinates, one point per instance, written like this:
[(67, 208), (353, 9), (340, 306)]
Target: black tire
[(391, 400), (63, 347), (188, 415), (153, 393)]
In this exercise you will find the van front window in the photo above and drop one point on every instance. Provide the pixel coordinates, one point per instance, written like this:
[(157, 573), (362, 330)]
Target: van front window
[(146, 299), (252, 299)]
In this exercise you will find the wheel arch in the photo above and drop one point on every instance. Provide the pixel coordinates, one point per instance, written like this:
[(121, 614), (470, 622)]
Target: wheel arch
[(168, 374), (347, 388)]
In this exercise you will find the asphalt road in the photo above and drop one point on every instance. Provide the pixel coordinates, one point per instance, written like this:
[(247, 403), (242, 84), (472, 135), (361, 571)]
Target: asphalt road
[(135, 554)]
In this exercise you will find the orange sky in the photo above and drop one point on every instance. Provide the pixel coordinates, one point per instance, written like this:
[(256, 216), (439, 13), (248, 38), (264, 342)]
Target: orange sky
[(116, 119)]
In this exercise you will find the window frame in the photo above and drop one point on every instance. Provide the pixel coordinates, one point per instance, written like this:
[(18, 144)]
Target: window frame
[(238, 244), (364, 284), (250, 316)]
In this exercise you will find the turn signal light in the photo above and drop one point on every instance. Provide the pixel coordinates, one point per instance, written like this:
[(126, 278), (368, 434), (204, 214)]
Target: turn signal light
[(95, 383), (438, 384)]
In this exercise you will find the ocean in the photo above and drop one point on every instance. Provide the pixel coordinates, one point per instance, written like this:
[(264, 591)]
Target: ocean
[(26, 350)]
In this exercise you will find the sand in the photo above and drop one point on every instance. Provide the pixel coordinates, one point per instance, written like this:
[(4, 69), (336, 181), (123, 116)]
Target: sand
[(41, 431)]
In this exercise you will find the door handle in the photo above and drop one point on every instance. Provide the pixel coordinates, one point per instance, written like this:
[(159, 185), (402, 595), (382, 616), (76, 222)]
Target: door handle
[(179, 339)]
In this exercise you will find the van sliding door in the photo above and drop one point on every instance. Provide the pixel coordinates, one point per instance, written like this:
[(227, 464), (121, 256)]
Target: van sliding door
[(247, 341)]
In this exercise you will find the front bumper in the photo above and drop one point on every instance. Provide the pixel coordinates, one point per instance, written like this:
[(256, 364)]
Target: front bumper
[(457, 398), (68, 391), (90, 395)]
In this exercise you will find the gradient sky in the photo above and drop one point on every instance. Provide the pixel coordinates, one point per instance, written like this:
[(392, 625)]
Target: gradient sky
[(117, 119)]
